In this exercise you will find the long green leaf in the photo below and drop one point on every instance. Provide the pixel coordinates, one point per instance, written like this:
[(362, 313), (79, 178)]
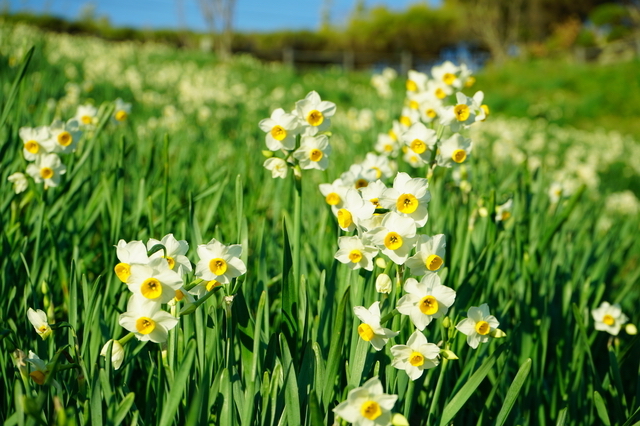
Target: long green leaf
[(601, 409), (513, 392), (178, 386)]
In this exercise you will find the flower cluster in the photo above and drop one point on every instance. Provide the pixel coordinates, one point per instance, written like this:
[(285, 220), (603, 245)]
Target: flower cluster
[(299, 135), (42, 146)]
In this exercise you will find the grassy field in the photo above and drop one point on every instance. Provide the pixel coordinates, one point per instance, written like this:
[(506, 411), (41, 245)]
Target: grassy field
[(281, 344)]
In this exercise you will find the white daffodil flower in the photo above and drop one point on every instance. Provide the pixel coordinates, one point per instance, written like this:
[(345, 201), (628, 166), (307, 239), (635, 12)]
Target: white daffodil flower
[(416, 81), (367, 405), (356, 253), (380, 164), (87, 115), (504, 211), (478, 325), (314, 113), (313, 152), (154, 281), (429, 255), (174, 253), (387, 145), (146, 320), (409, 197), (395, 236), (447, 73), (438, 89), (454, 149), (19, 181), (334, 194), (281, 129), (35, 142), (40, 323), (383, 284), (370, 330), (117, 353), (609, 318), (39, 371), (129, 253), (219, 262), (420, 140), (121, 111), (373, 193), (463, 114), (408, 117), (64, 137), (354, 211), (48, 168), (358, 176), (425, 300), (277, 166), (416, 356)]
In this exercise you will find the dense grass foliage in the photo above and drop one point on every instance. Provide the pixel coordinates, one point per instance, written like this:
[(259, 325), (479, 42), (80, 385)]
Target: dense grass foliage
[(279, 345)]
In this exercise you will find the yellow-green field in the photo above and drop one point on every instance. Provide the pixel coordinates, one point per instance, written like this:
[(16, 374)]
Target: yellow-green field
[(522, 280)]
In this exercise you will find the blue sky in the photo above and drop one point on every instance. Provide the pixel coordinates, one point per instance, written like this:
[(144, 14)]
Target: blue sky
[(251, 15)]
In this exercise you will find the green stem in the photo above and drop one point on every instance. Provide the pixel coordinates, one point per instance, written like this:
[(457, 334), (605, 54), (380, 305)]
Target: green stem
[(436, 394), (297, 227)]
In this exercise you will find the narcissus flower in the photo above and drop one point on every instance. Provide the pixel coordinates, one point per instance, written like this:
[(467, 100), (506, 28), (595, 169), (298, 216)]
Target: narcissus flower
[(121, 111), (429, 255), (420, 140), (416, 81), (383, 284), (64, 137), (147, 321), (416, 356), (277, 166), (609, 318), (463, 114), (87, 115), (155, 281), (358, 176), (39, 321), (356, 253), (380, 164), (387, 145), (367, 405), (281, 130), (117, 353), (39, 370), (409, 197), (35, 142), (447, 73), (315, 113), (370, 330), (478, 325), (503, 211), (395, 236), (334, 194), (455, 149), (174, 253), (313, 152), (219, 262), (19, 181), (373, 193), (354, 210), (425, 300), (129, 253), (48, 168)]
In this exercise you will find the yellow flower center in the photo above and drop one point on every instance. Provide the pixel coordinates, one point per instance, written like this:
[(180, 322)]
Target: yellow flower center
[(38, 377), (428, 305), (459, 155), (333, 199), (485, 108), (179, 295), (86, 119), (46, 172), (370, 410), (407, 203), (433, 262), (315, 117), (375, 202), (506, 215), (388, 147), (414, 105), (121, 115), (355, 256), (448, 78), (366, 332), (418, 146), (315, 155), (65, 138), (483, 328), (470, 81), (145, 325), (412, 86), (344, 218), (393, 135), (393, 241), (171, 261), (378, 172), (362, 183), (608, 319), (123, 271), (461, 111), (151, 288), (405, 121), (212, 284), (440, 93), (278, 133), (416, 359), (431, 113), (32, 146), (218, 266)]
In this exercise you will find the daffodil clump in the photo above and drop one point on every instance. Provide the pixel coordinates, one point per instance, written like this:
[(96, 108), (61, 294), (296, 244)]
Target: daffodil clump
[(43, 146)]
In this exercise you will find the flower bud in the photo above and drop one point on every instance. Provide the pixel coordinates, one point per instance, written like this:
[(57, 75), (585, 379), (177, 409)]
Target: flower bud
[(383, 284), (117, 353)]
